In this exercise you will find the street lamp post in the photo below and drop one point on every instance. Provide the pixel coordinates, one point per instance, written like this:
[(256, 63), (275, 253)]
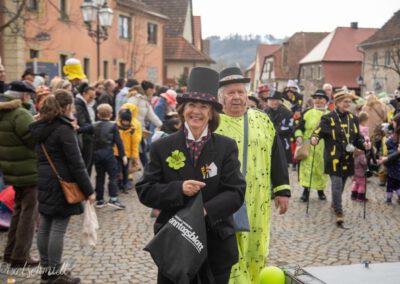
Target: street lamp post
[(97, 11)]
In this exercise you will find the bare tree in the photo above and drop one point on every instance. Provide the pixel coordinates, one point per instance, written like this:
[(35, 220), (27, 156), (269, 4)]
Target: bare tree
[(10, 16)]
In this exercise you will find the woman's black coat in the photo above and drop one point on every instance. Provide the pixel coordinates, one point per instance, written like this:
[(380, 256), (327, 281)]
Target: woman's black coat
[(61, 144), (161, 188)]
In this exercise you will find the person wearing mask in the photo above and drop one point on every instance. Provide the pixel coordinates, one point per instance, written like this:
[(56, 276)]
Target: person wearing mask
[(210, 168), (18, 164), (55, 132)]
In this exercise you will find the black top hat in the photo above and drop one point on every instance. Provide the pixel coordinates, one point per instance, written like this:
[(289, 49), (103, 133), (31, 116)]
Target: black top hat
[(232, 75), (320, 93), (202, 86), (275, 95), (21, 86)]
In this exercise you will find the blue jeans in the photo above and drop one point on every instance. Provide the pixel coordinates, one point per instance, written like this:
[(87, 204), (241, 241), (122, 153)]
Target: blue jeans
[(105, 162), (338, 184), (50, 240)]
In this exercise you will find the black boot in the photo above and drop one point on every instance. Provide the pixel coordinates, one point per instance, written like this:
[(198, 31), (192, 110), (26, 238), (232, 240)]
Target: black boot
[(354, 195), (306, 194), (321, 195)]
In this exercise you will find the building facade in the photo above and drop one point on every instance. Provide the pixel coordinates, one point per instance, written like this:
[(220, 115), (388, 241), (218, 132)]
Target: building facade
[(335, 60), (381, 58), (53, 33)]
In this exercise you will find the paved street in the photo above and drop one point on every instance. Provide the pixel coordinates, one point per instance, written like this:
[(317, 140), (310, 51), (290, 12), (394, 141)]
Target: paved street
[(297, 238)]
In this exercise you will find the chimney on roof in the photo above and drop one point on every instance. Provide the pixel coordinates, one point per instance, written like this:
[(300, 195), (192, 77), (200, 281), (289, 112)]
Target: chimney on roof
[(354, 25)]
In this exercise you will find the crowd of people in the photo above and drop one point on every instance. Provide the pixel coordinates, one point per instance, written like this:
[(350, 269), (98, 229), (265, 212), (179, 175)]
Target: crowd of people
[(212, 137)]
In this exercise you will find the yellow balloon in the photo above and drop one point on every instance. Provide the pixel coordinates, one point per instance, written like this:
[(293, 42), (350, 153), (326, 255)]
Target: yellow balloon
[(272, 275)]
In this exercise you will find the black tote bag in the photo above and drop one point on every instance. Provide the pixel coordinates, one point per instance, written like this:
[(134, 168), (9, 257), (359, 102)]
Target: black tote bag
[(180, 247)]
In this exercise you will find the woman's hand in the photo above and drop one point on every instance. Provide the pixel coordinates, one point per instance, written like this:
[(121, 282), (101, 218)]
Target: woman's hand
[(191, 187), (92, 198)]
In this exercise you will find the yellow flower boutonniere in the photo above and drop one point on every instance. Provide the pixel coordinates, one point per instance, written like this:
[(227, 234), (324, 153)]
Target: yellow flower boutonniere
[(176, 160)]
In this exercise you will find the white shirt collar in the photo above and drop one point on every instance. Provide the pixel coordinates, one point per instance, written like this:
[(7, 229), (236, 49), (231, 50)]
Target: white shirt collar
[(190, 134)]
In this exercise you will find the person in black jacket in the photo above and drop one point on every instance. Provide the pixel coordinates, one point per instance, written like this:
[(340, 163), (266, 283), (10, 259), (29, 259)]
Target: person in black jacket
[(85, 116), (282, 118), (194, 161), (341, 132), (106, 135), (55, 131)]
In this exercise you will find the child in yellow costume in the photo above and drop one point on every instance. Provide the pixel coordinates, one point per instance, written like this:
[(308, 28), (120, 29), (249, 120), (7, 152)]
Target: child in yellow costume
[(131, 134)]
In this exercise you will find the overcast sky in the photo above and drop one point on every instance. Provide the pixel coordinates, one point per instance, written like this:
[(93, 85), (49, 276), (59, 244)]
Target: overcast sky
[(285, 17)]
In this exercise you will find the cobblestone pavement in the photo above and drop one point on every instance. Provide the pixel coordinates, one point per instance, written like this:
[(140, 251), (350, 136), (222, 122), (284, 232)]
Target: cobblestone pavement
[(296, 238)]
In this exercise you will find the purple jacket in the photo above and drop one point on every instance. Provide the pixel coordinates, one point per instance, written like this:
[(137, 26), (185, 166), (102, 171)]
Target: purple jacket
[(360, 164)]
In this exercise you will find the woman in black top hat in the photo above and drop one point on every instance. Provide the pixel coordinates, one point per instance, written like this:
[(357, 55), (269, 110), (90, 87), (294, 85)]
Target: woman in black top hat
[(196, 160)]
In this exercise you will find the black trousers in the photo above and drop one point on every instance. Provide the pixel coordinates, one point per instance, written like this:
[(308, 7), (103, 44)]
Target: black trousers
[(22, 227)]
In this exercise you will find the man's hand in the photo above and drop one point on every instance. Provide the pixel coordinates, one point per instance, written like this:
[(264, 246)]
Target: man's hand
[(282, 202), (191, 187)]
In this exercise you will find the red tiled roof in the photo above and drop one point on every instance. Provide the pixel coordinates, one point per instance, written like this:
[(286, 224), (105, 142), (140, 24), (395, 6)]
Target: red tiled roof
[(176, 10), (390, 31), (264, 50), (343, 46), (197, 38), (177, 48), (342, 73)]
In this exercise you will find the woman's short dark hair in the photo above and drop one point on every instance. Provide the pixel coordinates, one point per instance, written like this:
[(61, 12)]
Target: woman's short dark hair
[(212, 124), (52, 106), (84, 88), (147, 85)]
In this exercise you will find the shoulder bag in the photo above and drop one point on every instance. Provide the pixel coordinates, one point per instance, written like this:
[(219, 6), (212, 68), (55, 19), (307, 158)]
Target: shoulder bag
[(240, 217), (71, 190)]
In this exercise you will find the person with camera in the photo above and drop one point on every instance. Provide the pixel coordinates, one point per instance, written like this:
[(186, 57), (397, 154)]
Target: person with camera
[(341, 130)]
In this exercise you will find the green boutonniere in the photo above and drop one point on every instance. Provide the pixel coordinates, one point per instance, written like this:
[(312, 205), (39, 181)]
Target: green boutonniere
[(176, 160)]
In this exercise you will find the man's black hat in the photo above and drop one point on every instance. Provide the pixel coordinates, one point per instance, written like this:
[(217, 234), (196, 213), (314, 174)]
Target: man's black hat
[(202, 87), (275, 95), (232, 75), (320, 93)]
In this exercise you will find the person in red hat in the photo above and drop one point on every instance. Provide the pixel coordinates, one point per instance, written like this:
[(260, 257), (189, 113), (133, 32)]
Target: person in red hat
[(263, 94)]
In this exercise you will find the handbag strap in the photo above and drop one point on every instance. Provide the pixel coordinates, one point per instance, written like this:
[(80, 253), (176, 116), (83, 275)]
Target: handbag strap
[(50, 162), (245, 144)]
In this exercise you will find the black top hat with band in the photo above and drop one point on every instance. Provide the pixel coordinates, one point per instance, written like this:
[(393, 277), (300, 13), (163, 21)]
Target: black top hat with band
[(202, 87), (275, 95), (320, 93), (232, 75)]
